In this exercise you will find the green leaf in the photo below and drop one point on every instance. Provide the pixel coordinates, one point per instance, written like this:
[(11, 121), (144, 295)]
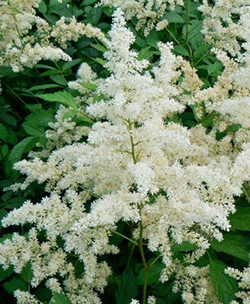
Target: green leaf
[(153, 274), (99, 47), (4, 149), (32, 128), (88, 2), (89, 86), (144, 53), (185, 246), (42, 7), (208, 120), (173, 17), (23, 146), (3, 133), (225, 287), (201, 50), (70, 113), (165, 292), (9, 119), (14, 284), (181, 50), (127, 288), (85, 119), (62, 97), (59, 298), (4, 274), (215, 68), (44, 87), (41, 117), (45, 66), (233, 244), (26, 273), (59, 79), (70, 64), (100, 61), (94, 15), (241, 219), (43, 294)]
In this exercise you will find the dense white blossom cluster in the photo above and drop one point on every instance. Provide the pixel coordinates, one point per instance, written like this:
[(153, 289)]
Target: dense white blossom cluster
[(149, 13), (20, 48), (133, 153), (243, 277)]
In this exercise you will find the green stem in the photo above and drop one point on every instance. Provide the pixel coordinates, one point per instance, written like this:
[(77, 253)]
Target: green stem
[(130, 255), (246, 193), (154, 261), (125, 237), (187, 19), (144, 298), (132, 142), (175, 39), (13, 92), (202, 58), (146, 268)]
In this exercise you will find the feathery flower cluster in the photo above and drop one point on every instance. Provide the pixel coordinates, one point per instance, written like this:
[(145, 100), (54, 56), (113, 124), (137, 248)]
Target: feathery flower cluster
[(149, 13), (175, 184), (224, 23), (19, 47), (243, 278)]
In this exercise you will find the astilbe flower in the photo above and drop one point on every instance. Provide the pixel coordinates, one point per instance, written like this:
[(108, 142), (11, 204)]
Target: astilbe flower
[(132, 154), (149, 13), (26, 38)]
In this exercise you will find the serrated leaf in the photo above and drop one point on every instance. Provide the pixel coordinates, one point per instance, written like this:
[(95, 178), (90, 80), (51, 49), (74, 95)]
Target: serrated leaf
[(4, 274), (233, 244), (99, 47), (100, 61), (153, 274), (89, 86), (208, 120), (26, 273), (127, 288), (70, 113), (59, 298), (62, 97), (43, 294), (225, 287), (185, 246), (241, 219), (42, 7), (181, 50), (144, 53), (22, 147), (41, 117), (85, 119), (14, 284), (70, 64), (88, 2), (215, 68), (201, 50), (45, 66), (32, 128), (6, 71), (3, 133), (165, 291), (44, 87), (59, 79), (173, 17), (9, 119), (4, 149)]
